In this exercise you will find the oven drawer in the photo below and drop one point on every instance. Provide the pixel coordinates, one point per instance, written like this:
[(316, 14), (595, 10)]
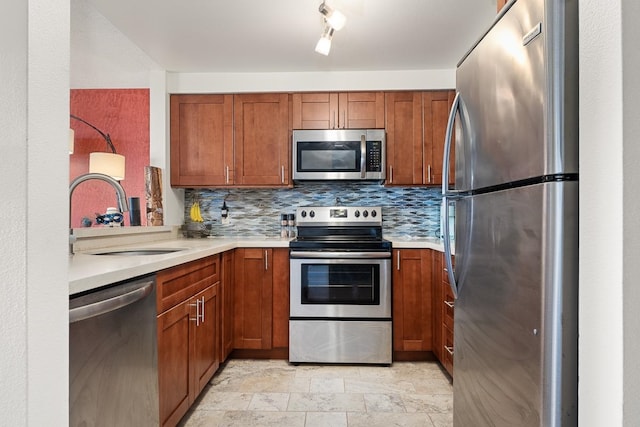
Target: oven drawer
[(337, 341)]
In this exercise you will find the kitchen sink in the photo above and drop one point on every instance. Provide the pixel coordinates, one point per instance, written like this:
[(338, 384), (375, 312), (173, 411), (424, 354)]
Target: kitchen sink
[(138, 252)]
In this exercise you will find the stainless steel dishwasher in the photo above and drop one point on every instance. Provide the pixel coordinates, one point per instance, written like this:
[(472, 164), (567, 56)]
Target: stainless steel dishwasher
[(113, 360)]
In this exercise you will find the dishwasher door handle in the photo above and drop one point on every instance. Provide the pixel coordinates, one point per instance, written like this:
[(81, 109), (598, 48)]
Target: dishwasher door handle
[(111, 304)]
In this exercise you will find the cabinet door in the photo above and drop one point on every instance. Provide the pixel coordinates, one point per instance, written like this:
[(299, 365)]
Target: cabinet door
[(173, 363), (412, 304), (205, 338), (501, 3), (201, 140), (253, 298), (281, 298), (436, 106), (261, 124), (437, 306), (347, 110), (404, 137), (447, 307), (226, 284), (315, 110), (361, 110)]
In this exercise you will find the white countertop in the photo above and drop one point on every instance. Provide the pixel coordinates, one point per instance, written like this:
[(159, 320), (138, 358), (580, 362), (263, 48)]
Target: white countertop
[(417, 243), (88, 271)]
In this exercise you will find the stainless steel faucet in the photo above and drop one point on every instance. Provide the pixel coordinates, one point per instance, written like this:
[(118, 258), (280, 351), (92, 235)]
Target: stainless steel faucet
[(122, 197)]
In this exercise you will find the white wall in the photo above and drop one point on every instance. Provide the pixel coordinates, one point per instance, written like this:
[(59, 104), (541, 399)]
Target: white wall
[(13, 137), (631, 209), (609, 221), (101, 56), (34, 64), (310, 81)]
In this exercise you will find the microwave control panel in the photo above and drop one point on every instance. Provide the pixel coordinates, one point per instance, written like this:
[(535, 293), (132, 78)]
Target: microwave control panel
[(374, 156)]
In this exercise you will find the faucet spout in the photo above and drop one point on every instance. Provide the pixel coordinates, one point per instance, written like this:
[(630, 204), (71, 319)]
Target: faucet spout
[(122, 197)]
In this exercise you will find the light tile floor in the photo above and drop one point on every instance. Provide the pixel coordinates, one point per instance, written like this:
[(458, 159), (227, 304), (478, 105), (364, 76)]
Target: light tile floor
[(275, 393)]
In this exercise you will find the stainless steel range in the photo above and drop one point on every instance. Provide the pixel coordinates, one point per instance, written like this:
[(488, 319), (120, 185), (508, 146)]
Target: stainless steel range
[(340, 299)]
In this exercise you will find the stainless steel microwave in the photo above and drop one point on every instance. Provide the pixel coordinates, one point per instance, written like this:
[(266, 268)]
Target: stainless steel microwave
[(339, 154)]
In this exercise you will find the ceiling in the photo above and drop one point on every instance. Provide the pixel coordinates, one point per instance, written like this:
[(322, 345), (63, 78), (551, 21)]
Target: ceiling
[(280, 35)]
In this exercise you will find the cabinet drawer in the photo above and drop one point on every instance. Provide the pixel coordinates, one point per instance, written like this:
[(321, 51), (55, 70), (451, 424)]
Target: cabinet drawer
[(447, 313), (179, 283), (447, 352)]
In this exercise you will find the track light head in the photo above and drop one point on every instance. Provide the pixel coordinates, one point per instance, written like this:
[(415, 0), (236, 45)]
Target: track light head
[(334, 17), (324, 44)]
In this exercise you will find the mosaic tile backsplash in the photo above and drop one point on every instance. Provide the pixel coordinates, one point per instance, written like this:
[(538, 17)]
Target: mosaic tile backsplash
[(407, 212)]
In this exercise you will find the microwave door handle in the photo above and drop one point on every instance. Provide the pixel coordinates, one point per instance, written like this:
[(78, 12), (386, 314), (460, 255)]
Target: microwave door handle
[(363, 156)]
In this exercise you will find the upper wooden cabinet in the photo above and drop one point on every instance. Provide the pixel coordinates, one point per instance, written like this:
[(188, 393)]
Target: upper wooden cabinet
[(230, 140), (416, 124), (344, 110), (404, 137), (436, 106), (261, 123), (201, 140)]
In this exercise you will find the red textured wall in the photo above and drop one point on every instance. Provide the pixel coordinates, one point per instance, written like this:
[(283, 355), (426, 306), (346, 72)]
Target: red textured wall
[(124, 115)]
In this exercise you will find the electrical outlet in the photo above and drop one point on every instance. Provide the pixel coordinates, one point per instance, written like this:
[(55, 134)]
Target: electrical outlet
[(224, 214)]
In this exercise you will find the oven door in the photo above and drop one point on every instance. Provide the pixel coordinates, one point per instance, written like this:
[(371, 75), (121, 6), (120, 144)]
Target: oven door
[(341, 285)]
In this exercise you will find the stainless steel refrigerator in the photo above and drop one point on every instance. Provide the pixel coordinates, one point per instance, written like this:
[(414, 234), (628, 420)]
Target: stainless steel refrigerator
[(514, 123)]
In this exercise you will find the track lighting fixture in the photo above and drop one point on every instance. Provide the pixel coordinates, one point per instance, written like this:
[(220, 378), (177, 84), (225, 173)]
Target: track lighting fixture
[(335, 18), (324, 44)]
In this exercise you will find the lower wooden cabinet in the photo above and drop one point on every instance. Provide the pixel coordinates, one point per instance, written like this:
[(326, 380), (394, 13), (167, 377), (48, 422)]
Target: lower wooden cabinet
[(253, 298), (261, 298), (448, 302), (412, 300), (226, 299), (281, 298), (443, 306), (437, 289), (188, 334)]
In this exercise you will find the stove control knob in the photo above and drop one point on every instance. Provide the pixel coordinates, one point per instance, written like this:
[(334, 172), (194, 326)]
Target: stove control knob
[(365, 213), (303, 214), (374, 213), (312, 214), (357, 213)]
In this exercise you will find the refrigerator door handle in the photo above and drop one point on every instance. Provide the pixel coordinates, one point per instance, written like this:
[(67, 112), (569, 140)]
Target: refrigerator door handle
[(446, 158), (447, 243), (448, 195)]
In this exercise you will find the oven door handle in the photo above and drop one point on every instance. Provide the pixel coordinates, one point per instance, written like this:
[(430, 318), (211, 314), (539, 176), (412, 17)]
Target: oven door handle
[(340, 255)]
